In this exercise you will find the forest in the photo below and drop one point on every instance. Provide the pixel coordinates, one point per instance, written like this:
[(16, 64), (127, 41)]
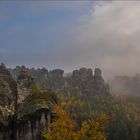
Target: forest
[(38, 104)]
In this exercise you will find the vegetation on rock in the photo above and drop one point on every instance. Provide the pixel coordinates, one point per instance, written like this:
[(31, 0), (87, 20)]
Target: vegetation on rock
[(38, 104)]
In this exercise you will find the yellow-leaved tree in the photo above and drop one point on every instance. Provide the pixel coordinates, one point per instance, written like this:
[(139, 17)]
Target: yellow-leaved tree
[(65, 128)]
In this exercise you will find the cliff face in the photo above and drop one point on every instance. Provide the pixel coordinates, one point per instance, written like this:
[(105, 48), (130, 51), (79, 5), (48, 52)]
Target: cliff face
[(82, 79), (99, 86), (8, 90), (25, 82), (32, 114), (56, 79), (82, 75), (34, 108), (88, 83), (8, 100), (6, 77)]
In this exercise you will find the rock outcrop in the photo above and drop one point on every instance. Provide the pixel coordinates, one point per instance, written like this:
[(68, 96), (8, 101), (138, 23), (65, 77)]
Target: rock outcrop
[(6, 77), (82, 79), (88, 83), (25, 82), (35, 114), (99, 86), (8, 88), (56, 79), (34, 111), (35, 107), (8, 102)]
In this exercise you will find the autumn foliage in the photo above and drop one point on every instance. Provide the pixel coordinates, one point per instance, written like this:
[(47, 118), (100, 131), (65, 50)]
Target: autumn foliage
[(65, 128)]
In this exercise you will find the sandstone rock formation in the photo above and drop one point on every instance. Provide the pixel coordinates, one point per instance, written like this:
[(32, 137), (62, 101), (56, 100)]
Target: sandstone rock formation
[(82, 79), (24, 81), (88, 83), (26, 120), (8, 88), (56, 79), (99, 86)]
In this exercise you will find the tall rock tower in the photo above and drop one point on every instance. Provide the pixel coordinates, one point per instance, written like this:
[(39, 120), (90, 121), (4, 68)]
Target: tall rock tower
[(8, 87), (24, 81), (99, 86)]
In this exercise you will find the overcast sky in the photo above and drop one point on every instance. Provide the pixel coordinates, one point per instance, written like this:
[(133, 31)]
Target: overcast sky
[(70, 35)]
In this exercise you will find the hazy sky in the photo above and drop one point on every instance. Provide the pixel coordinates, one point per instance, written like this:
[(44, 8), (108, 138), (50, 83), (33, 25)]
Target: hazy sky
[(70, 35)]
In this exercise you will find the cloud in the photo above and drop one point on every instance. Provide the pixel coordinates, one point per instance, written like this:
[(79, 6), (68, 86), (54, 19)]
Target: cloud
[(108, 37)]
